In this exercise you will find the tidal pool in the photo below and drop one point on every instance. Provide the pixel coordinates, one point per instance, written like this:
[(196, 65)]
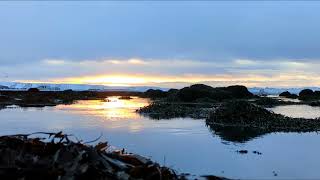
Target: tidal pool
[(184, 144)]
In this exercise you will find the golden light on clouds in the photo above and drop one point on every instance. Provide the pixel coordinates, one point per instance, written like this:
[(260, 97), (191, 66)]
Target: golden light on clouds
[(176, 73), (132, 80)]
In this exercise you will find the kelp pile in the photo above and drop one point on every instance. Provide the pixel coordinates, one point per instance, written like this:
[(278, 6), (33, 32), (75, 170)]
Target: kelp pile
[(57, 157), (243, 113)]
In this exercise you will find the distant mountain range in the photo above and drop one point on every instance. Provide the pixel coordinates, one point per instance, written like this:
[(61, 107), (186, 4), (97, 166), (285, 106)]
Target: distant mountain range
[(277, 91), (75, 87), (83, 87)]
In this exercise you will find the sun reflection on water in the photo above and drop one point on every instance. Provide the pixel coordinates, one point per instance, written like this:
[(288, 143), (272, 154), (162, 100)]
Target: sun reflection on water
[(112, 107)]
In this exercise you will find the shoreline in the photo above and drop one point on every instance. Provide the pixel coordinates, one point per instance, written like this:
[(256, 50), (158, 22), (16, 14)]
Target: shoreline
[(58, 157)]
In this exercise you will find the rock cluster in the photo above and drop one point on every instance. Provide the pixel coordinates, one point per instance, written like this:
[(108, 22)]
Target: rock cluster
[(198, 92)]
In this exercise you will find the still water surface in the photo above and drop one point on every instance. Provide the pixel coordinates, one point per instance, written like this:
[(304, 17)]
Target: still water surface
[(184, 144)]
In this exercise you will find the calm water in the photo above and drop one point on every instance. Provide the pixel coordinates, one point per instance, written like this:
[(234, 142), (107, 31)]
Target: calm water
[(185, 144)]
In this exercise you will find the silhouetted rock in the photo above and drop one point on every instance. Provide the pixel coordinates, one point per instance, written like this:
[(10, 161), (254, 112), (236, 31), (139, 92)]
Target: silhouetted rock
[(68, 91), (155, 93), (173, 91), (195, 92), (287, 94), (239, 91), (199, 91), (306, 93), (33, 90)]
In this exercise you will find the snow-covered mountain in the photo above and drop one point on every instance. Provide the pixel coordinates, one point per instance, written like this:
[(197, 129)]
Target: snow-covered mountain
[(277, 91), (75, 87)]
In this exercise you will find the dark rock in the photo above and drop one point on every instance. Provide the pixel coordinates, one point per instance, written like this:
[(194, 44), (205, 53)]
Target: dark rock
[(239, 91), (199, 91), (33, 90), (314, 103), (173, 91), (68, 91), (243, 151), (155, 93), (317, 93), (287, 94), (196, 91), (257, 152), (306, 94)]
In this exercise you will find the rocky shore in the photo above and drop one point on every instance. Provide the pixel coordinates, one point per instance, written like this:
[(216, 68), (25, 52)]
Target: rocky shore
[(246, 114), (36, 98)]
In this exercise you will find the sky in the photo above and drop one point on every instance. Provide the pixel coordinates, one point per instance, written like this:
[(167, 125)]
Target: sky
[(161, 43)]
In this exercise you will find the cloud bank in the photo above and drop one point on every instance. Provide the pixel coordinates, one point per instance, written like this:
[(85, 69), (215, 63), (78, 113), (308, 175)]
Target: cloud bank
[(166, 43)]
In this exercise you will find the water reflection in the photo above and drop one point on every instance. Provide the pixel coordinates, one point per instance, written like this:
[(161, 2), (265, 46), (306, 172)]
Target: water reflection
[(297, 111), (186, 144), (112, 107), (235, 133)]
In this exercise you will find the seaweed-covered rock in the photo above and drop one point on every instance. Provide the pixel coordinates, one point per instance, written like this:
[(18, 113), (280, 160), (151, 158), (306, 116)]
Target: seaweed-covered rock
[(271, 102), (166, 110), (242, 113), (267, 102)]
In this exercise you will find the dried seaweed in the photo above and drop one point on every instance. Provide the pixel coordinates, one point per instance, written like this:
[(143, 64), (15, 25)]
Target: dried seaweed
[(57, 157)]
